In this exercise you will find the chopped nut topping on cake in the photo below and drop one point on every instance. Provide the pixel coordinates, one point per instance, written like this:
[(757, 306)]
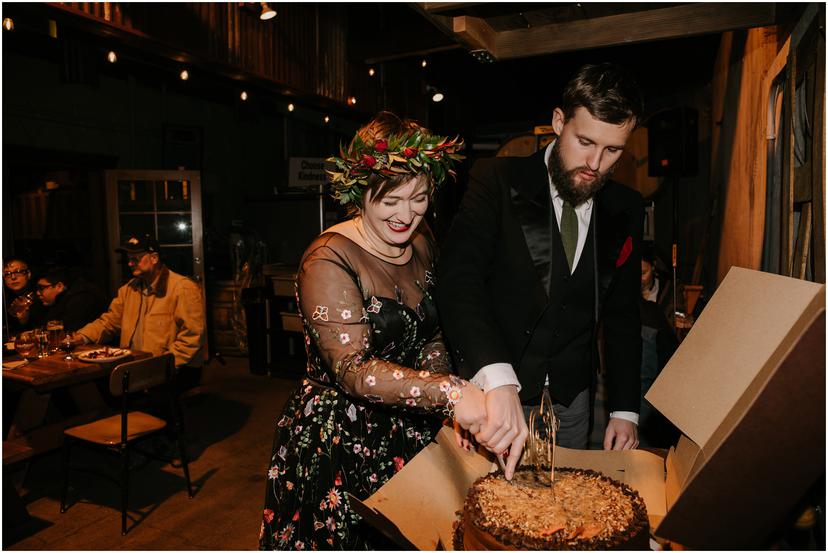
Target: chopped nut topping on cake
[(583, 509)]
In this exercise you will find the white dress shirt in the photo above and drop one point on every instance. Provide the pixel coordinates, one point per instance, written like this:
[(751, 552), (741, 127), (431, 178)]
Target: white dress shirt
[(503, 374)]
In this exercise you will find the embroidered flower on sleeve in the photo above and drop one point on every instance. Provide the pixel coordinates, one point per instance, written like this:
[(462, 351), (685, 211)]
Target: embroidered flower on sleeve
[(410, 402), (398, 374), (357, 448), (273, 473), (415, 391), (268, 515), (366, 451), (321, 313), (375, 306), (351, 412), (346, 314), (371, 380), (373, 478), (344, 338), (445, 386)]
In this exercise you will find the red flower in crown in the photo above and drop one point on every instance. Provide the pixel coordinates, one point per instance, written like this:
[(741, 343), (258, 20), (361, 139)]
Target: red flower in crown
[(410, 152), (399, 462), (380, 145), (369, 160), (626, 250)]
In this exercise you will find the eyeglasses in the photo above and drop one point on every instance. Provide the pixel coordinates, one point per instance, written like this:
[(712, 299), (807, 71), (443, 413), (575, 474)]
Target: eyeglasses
[(42, 287), (135, 259), (12, 274)]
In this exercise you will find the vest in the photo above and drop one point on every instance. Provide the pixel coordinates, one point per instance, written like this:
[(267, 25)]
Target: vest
[(563, 340)]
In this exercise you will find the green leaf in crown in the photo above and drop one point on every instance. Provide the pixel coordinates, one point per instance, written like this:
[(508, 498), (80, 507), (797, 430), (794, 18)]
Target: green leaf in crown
[(410, 153)]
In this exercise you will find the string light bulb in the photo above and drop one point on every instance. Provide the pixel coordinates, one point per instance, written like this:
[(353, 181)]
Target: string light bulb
[(243, 95), (327, 119), (185, 75), (112, 57), (425, 63), (352, 100), (291, 107), (371, 72), (8, 24)]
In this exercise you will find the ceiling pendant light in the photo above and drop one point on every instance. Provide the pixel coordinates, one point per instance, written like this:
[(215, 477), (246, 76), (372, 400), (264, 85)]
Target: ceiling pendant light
[(267, 12)]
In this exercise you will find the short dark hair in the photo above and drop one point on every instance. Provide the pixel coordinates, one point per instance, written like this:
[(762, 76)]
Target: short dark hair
[(53, 275), (384, 125), (607, 91)]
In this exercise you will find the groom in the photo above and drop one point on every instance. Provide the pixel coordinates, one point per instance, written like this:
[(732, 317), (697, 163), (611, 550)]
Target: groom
[(544, 252)]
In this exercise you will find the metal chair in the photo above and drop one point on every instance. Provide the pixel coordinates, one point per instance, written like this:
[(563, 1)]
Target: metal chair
[(120, 433)]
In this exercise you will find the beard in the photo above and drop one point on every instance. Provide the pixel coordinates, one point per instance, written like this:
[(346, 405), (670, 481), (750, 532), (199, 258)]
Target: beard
[(564, 180)]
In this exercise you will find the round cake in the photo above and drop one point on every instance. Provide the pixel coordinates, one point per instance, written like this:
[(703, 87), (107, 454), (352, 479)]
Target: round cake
[(583, 510)]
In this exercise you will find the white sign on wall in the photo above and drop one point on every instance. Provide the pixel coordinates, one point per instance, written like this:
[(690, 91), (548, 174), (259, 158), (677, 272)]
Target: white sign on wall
[(307, 171)]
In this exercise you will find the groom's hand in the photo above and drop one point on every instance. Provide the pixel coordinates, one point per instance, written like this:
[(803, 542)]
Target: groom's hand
[(505, 426)]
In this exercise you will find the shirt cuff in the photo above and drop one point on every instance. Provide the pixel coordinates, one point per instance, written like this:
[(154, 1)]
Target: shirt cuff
[(494, 376), (625, 415)]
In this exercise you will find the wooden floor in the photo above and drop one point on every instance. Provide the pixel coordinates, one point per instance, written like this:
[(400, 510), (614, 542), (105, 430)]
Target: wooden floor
[(230, 425)]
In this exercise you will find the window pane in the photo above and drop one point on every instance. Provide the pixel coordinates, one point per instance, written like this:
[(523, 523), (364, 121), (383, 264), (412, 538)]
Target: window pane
[(135, 195), (179, 260), (175, 229), (173, 195), (136, 225)]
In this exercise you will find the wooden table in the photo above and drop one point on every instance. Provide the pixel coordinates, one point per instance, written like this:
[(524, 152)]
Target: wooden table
[(38, 379)]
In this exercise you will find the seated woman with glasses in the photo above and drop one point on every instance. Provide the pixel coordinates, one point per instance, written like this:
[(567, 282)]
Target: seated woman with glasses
[(21, 308)]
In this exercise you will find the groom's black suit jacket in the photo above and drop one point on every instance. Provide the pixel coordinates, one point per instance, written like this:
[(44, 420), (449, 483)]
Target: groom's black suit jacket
[(501, 299)]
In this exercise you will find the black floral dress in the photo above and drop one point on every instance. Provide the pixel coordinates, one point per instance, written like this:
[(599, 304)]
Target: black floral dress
[(376, 389)]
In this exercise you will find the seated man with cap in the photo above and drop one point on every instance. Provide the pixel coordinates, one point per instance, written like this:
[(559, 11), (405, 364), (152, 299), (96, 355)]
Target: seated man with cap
[(157, 311)]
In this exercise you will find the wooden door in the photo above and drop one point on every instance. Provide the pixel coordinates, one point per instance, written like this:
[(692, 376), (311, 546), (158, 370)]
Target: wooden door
[(165, 204)]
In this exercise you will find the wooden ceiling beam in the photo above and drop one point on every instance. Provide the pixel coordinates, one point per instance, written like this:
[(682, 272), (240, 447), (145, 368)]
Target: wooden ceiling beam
[(657, 24), (475, 32), (440, 7)]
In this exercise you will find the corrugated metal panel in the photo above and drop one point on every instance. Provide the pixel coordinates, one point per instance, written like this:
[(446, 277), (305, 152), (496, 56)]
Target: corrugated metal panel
[(303, 47)]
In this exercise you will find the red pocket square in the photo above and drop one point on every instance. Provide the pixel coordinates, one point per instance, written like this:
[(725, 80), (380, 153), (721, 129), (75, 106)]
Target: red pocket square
[(626, 250)]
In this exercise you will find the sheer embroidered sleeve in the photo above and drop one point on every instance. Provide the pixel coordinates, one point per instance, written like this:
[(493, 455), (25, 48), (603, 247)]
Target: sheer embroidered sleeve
[(339, 331)]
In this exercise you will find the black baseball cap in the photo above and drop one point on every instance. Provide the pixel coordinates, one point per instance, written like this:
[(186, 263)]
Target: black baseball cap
[(140, 244)]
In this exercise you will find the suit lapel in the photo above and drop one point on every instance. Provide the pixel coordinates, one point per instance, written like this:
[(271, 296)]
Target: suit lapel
[(530, 205)]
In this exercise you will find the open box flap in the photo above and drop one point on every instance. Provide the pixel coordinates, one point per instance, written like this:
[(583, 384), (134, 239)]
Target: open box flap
[(421, 500), (773, 452), (743, 330)]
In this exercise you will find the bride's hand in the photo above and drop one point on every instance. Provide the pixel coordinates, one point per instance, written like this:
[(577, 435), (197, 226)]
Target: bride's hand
[(470, 411), (463, 437)]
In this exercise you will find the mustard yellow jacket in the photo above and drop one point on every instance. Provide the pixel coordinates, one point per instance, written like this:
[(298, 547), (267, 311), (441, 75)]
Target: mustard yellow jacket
[(173, 318)]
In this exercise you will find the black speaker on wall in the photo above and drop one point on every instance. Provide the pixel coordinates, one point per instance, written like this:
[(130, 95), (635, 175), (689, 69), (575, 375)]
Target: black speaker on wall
[(673, 143)]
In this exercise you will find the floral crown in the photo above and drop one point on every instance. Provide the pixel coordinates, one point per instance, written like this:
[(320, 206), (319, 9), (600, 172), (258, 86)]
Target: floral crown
[(407, 153)]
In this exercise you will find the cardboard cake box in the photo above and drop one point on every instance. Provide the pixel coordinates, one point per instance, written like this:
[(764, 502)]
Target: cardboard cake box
[(747, 390)]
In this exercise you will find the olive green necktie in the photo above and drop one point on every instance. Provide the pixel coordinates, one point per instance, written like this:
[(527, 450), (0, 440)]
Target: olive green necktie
[(569, 232)]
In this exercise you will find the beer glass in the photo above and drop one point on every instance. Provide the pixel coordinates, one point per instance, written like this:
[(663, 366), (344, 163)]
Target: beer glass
[(55, 330)]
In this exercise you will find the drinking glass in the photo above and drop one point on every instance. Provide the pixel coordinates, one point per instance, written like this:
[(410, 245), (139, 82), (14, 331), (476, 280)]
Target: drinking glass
[(26, 345), (42, 337), (55, 330), (67, 345)]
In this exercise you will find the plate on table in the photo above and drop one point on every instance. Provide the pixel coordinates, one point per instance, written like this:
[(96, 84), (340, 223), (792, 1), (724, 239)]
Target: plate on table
[(103, 355)]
